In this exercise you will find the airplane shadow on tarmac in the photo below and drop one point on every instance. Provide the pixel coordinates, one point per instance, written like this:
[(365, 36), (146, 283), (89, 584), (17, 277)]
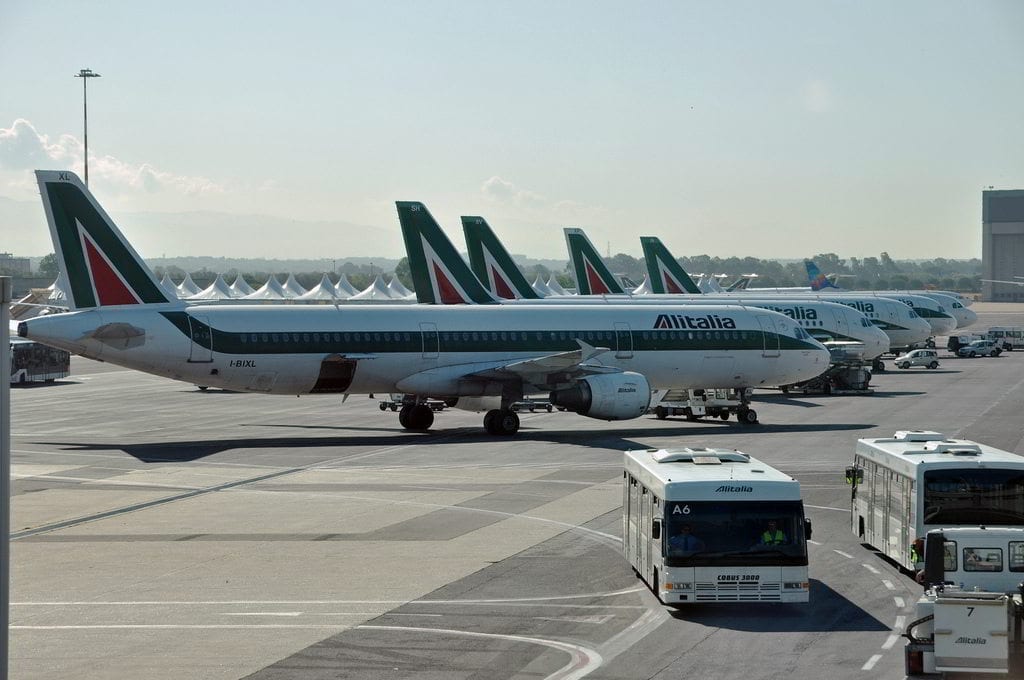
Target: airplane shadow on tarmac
[(614, 441), (826, 612)]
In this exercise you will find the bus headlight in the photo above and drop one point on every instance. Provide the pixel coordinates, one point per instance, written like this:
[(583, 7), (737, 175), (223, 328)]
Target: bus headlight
[(796, 586), (678, 586)]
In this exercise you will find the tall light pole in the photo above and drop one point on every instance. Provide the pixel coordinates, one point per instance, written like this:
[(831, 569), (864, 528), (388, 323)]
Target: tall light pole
[(85, 74)]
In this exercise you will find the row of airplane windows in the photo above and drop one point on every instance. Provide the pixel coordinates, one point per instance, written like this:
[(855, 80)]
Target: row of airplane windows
[(494, 336)]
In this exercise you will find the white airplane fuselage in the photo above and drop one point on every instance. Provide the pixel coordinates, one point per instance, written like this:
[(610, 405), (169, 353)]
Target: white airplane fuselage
[(286, 349)]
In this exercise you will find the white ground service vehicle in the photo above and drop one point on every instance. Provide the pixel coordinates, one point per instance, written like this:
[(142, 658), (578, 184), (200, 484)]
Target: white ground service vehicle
[(904, 486), (928, 358), (980, 348), (714, 525), (1009, 337), (970, 616), (706, 403)]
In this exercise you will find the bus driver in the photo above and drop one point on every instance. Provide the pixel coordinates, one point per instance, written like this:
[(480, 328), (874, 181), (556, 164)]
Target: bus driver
[(772, 536), (685, 542)]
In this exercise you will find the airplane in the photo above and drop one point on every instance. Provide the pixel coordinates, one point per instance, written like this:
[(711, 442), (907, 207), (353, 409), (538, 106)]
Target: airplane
[(600, 362), (424, 236), (903, 328), (950, 303), (1012, 283), (825, 320)]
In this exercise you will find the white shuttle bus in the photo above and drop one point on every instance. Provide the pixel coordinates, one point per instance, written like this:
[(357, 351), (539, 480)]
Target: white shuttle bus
[(714, 525), (904, 486)]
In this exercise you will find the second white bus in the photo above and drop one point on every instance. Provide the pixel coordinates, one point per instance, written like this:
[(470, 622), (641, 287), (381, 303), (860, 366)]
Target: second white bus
[(915, 481), (714, 525)]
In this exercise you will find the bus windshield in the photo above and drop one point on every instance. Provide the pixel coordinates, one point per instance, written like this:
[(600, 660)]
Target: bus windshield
[(734, 533), (974, 496)]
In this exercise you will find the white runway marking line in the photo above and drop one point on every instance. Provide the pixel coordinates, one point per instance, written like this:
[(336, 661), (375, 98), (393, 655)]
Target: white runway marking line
[(826, 507), (840, 552), (892, 639), (870, 568), (173, 626), (582, 660), (531, 601), (871, 662), (900, 602), (888, 585)]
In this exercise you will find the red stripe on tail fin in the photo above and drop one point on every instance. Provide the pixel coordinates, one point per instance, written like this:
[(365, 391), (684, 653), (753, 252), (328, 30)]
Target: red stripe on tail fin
[(448, 292), (597, 285), (501, 286), (110, 290), (670, 285)]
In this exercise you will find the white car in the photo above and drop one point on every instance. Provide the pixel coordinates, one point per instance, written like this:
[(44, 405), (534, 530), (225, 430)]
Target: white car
[(928, 358)]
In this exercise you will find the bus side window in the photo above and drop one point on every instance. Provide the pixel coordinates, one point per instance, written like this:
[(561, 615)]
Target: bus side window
[(1016, 555)]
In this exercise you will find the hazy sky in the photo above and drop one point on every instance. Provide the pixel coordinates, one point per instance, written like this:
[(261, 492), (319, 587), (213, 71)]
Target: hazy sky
[(772, 129)]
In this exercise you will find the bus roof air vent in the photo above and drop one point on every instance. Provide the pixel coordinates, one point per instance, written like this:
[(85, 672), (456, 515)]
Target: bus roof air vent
[(700, 456), (918, 436), (955, 447)]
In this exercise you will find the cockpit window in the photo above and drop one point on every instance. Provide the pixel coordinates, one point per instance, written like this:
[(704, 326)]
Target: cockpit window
[(913, 314), (866, 322)]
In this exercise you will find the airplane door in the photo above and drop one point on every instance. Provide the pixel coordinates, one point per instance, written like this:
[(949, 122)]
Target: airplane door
[(770, 336), (430, 342), (202, 340), (623, 341), (841, 324)]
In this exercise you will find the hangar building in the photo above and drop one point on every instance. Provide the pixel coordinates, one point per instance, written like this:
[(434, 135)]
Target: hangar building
[(1002, 244)]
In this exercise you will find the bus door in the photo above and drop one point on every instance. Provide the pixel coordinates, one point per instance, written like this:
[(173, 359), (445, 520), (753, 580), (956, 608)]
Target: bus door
[(623, 341), (879, 503), (770, 335), (645, 530), (202, 340), (430, 342)]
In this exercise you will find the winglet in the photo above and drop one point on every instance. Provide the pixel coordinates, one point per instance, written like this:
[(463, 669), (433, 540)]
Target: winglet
[(591, 273), (439, 273), (101, 267), (491, 262), (664, 271)]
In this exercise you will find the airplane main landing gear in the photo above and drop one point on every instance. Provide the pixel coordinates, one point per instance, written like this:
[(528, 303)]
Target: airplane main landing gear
[(501, 421)]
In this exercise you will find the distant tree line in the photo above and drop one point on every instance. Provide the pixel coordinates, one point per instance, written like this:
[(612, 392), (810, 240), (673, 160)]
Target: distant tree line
[(869, 273)]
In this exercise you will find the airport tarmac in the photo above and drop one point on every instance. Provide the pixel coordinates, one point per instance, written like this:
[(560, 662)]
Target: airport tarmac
[(160, 531)]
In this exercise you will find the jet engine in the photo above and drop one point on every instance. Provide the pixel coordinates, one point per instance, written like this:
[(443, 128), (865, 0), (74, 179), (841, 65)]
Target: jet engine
[(608, 396)]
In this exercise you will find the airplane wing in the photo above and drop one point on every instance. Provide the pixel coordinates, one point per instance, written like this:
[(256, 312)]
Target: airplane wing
[(543, 372), (539, 370), (1012, 283)]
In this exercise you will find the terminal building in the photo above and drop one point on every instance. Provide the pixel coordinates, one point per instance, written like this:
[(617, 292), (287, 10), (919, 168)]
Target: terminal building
[(1002, 245), (14, 266)]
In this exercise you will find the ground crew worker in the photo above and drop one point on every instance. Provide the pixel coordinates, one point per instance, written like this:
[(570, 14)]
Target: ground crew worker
[(773, 535)]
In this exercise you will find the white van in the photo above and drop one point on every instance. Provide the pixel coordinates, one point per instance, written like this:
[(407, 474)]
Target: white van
[(1008, 336)]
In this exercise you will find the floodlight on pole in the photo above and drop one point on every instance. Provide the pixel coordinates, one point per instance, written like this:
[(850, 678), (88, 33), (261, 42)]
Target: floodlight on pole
[(85, 74)]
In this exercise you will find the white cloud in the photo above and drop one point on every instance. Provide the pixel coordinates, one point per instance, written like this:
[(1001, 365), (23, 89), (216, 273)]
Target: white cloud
[(539, 206), (22, 147)]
